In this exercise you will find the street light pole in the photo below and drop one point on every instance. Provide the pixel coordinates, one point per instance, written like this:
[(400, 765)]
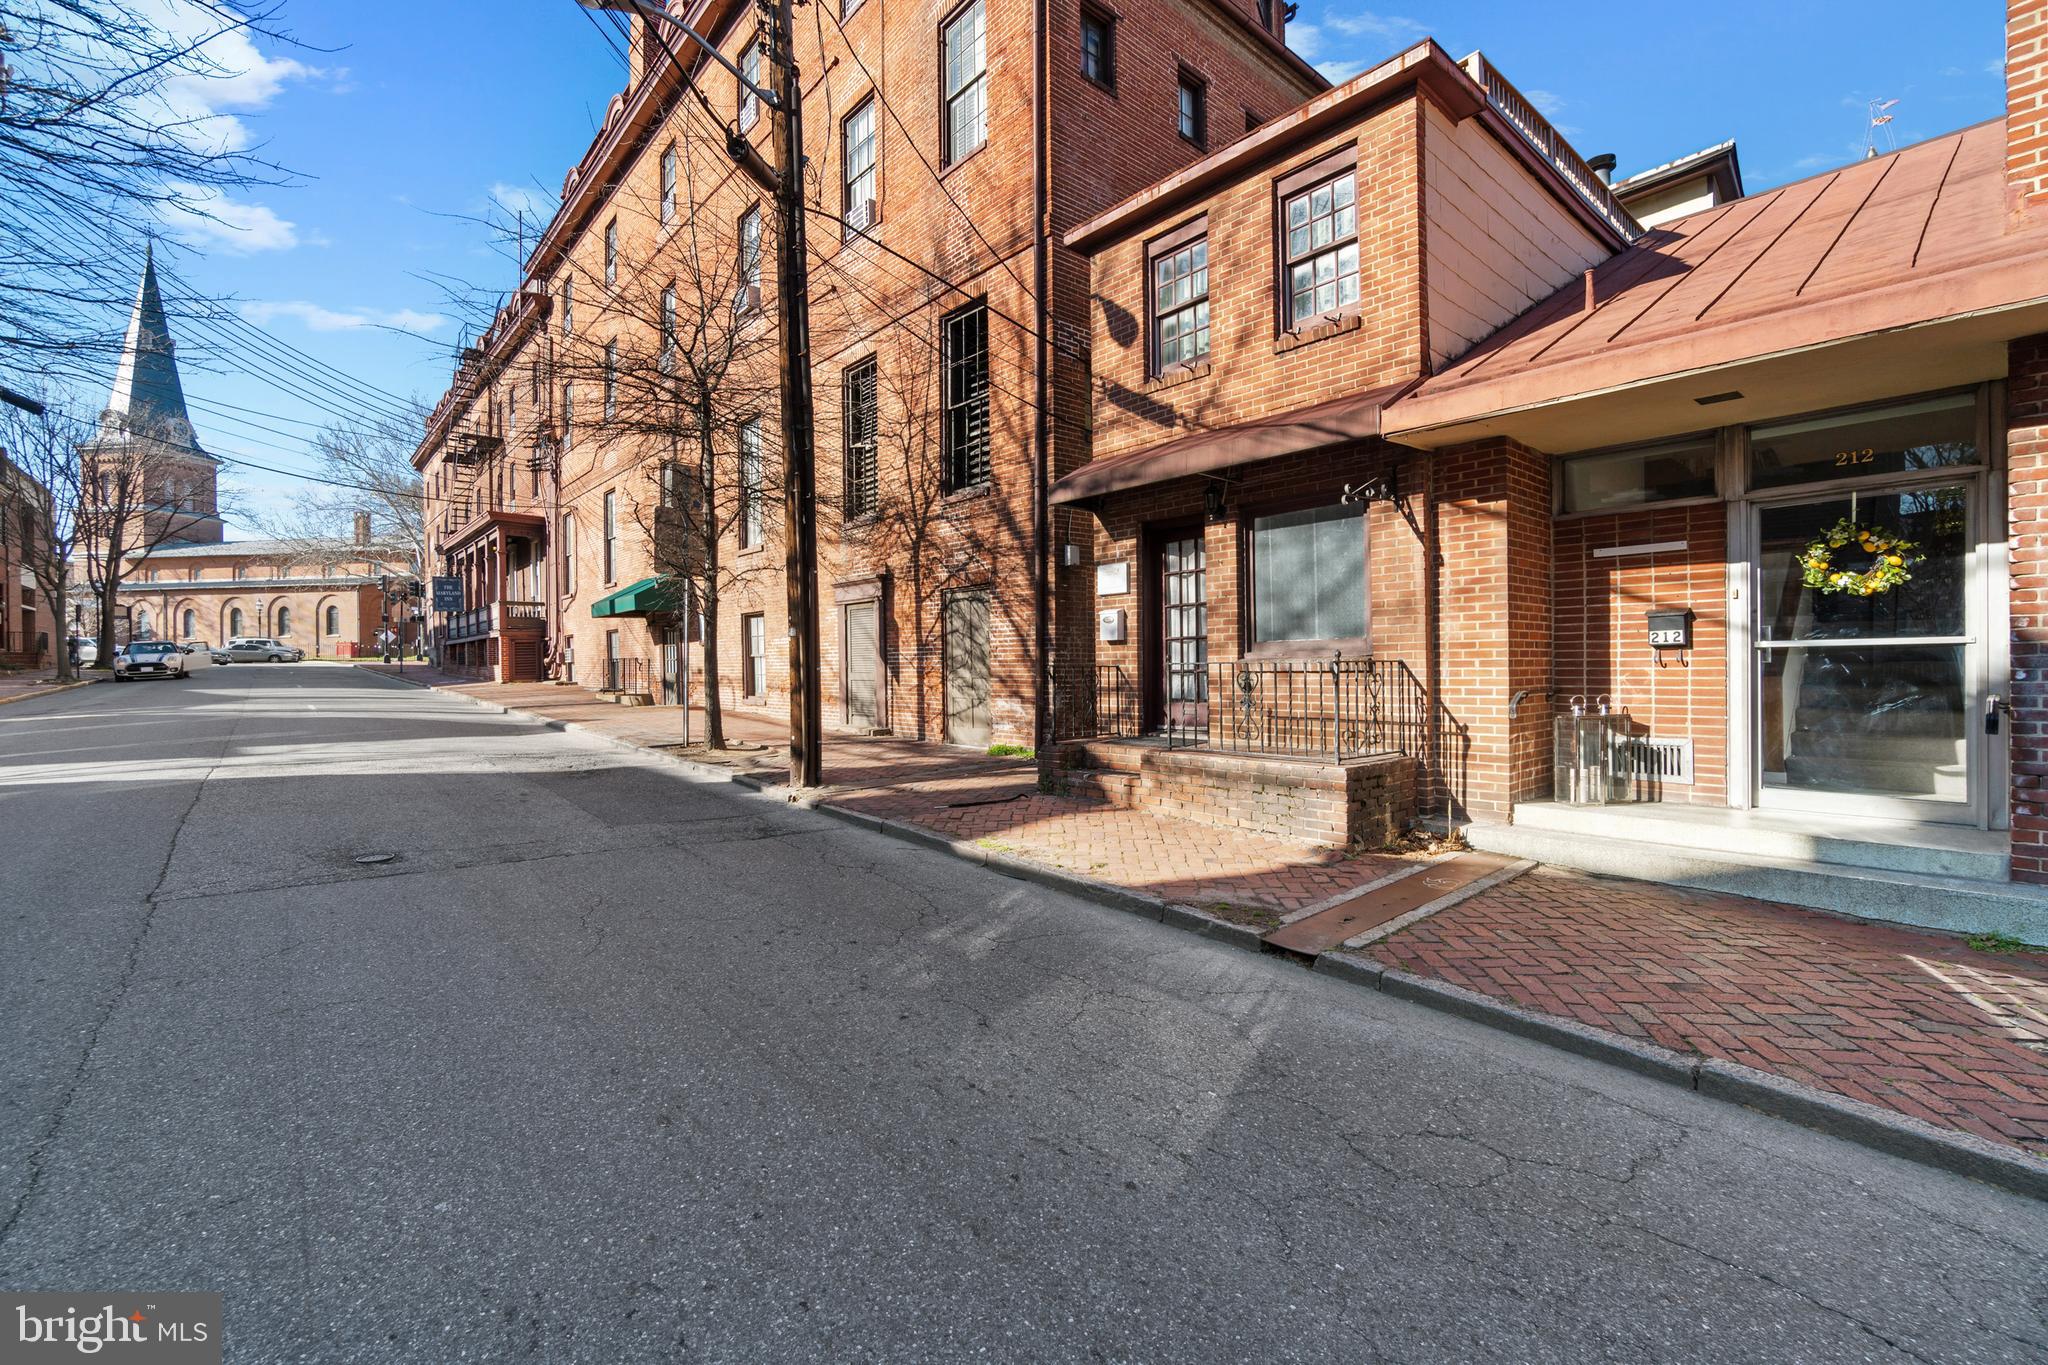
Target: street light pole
[(792, 288)]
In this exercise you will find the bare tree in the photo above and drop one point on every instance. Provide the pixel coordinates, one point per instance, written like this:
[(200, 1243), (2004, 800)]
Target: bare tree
[(137, 494), (39, 499), (682, 356), (94, 135), (367, 465)]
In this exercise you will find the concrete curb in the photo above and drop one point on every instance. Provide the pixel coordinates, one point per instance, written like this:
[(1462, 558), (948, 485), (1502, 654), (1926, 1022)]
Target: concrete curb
[(1852, 1120), (1837, 1115), (51, 691)]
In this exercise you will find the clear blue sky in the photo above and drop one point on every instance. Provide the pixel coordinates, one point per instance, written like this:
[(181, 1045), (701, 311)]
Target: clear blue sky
[(397, 113)]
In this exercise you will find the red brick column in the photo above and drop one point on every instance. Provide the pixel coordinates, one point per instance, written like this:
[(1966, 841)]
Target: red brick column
[(2027, 484), (1494, 598)]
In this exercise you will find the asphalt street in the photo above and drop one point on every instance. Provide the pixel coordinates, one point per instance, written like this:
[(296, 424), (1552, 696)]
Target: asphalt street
[(602, 1063)]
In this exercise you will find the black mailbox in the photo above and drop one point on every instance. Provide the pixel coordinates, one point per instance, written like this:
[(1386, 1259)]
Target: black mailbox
[(1671, 630)]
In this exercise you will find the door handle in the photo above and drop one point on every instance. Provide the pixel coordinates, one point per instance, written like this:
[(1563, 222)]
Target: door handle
[(1992, 704)]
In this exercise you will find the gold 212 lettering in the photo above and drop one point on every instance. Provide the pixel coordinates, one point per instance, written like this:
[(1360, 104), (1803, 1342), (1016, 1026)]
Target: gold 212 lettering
[(1846, 458)]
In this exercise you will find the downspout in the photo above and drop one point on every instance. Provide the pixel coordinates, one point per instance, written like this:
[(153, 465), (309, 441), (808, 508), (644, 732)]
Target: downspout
[(1041, 512)]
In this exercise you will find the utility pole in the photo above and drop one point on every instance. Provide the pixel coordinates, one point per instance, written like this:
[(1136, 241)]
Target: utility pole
[(799, 483), (785, 181)]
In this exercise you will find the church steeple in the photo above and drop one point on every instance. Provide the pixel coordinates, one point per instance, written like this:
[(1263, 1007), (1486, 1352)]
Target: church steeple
[(148, 398)]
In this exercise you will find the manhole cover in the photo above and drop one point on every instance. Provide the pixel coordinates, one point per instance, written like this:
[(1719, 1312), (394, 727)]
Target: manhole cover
[(377, 858)]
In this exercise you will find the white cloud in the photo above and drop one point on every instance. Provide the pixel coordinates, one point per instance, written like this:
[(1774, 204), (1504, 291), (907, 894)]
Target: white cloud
[(216, 221), (200, 107), (1366, 24), (316, 318), (537, 206)]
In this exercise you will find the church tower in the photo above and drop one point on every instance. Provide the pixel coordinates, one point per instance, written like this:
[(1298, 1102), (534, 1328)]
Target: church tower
[(147, 405)]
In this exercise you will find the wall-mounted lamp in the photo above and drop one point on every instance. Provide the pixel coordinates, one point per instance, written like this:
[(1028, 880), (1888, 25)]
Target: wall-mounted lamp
[(1213, 501)]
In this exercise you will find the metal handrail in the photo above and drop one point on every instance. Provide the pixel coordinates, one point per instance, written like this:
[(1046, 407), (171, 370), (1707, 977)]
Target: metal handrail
[(1335, 709), (626, 675)]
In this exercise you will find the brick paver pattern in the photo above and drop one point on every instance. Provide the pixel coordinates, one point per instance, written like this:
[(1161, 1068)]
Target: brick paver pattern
[(973, 797), (1915, 1022)]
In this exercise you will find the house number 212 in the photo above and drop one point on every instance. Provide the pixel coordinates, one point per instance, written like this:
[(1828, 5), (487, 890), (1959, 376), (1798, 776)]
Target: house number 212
[(1845, 458)]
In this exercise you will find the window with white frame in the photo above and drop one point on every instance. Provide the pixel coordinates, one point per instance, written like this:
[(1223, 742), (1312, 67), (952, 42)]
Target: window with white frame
[(964, 43), (750, 103), (752, 528), (860, 398), (611, 252), (611, 537), (611, 380), (668, 329), (857, 143), (1180, 298), (750, 260), (668, 186)]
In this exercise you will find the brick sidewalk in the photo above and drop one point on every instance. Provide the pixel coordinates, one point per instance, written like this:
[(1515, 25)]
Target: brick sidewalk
[(971, 796), (1916, 1022)]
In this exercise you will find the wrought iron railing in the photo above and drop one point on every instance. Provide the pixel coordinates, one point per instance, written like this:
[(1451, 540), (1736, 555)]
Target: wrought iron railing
[(1515, 107), (1333, 709), (1101, 706), (626, 675)]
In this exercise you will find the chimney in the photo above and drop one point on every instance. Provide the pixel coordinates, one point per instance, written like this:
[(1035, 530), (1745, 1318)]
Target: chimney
[(362, 528), (1603, 166), (2026, 104)]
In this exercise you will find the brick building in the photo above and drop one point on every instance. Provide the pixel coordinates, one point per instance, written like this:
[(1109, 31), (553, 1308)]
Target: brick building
[(604, 471), (1407, 434), (27, 621)]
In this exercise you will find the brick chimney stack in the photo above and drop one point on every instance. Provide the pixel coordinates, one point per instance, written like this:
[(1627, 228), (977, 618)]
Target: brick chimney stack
[(2026, 104), (362, 528)]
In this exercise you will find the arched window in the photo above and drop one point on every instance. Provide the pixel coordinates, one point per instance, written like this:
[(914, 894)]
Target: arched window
[(334, 620), (284, 621), (191, 624), (234, 622), (142, 624)]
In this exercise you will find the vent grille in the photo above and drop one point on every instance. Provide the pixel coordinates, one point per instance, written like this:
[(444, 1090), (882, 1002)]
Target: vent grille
[(1659, 760)]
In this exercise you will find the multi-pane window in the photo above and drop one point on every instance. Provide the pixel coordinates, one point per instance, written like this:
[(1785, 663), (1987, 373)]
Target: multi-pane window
[(754, 674), (611, 252), (568, 415), (966, 397), (1194, 108), (750, 103), (668, 186), (861, 424), (750, 260), (568, 306), (1098, 47), (668, 328), (611, 380), (569, 553), (857, 140), (1322, 249), (965, 45), (751, 519), (1180, 303), (611, 536)]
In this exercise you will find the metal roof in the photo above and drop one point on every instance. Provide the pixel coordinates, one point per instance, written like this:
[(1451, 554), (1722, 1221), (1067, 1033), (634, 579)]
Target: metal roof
[(1922, 235), (148, 397)]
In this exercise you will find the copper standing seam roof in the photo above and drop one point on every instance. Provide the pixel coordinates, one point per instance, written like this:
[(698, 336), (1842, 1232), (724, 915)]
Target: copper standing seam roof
[(1355, 418), (1914, 237)]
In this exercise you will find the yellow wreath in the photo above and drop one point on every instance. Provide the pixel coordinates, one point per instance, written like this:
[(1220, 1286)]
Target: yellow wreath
[(1891, 560)]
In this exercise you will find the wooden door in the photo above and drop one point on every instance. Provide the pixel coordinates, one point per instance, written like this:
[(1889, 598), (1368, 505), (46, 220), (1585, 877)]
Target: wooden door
[(967, 669)]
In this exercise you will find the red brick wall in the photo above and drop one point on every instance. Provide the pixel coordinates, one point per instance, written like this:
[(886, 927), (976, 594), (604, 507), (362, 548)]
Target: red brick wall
[(1255, 371), (1602, 641), (1491, 504), (2027, 479), (2026, 102)]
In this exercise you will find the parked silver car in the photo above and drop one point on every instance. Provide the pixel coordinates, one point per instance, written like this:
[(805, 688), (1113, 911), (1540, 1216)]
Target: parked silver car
[(245, 649), (149, 659), (217, 653)]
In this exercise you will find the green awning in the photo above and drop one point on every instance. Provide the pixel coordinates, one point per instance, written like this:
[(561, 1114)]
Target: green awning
[(640, 599)]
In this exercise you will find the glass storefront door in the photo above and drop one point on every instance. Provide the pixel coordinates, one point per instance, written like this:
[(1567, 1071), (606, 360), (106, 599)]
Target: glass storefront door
[(1869, 692)]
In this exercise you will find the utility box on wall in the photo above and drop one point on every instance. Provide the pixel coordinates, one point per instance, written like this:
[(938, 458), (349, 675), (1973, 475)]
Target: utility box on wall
[(1671, 629), (1112, 626)]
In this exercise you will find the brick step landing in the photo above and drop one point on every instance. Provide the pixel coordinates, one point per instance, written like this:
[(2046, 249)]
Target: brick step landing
[(1365, 802), (1957, 904)]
